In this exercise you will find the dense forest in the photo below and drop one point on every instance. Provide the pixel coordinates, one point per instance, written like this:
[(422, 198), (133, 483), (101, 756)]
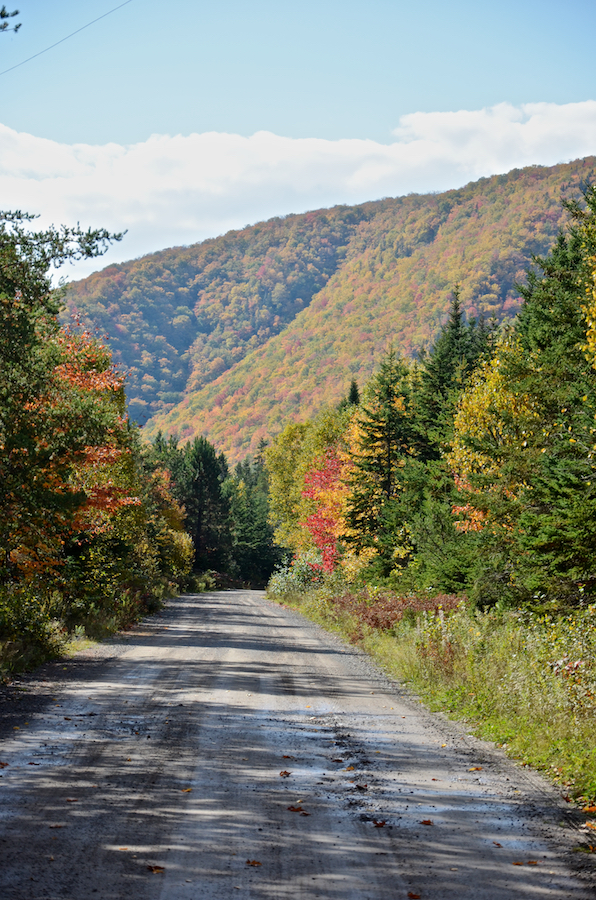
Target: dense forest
[(96, 527), (444, 516), (231, 338), (440, 509)]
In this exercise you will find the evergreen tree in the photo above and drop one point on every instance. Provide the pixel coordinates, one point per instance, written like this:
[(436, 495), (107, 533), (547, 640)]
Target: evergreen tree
[(536, 484), (198, 475), (446, 367), (387, 437), (254, 550), (353, 393), (353, 398)]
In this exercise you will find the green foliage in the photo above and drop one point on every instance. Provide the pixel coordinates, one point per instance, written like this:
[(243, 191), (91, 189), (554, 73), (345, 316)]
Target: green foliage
[(4, 16), (83, 530), (198, 474), (254, 551), (386, 438), (526, 444), (226, 515), (296, 576)]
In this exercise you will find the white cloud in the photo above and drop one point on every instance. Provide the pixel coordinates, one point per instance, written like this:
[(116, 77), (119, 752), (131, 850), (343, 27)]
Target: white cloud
[(177, 190)]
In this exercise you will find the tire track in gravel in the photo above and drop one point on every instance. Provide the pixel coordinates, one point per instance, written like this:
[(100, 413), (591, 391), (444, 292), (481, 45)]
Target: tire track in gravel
[(229, 730)]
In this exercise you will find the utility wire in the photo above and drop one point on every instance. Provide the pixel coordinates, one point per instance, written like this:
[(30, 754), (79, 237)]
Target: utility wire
[(35, 55)]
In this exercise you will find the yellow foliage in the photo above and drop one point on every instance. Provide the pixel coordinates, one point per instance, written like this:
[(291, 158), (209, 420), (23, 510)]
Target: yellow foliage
[(589, 309), (492, 416)]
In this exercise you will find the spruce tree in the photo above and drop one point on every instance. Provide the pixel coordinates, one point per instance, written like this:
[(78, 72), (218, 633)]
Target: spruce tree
[(387, 437)]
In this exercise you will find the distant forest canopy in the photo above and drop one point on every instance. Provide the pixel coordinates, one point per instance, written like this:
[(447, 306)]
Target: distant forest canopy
[(233, 337)]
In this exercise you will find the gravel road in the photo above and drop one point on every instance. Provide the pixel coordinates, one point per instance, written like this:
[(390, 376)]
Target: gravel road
[(229, 748)]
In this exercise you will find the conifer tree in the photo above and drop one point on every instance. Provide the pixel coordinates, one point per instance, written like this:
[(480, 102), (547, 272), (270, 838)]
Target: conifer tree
[(255, 553), (536, 489), (353, 393), (198, 475), (387, 437)]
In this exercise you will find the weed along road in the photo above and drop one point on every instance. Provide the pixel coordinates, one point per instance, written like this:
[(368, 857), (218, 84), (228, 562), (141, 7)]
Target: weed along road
[(228, 748)]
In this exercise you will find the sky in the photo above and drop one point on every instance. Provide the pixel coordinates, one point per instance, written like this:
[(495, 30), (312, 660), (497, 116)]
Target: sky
[(180, 121)]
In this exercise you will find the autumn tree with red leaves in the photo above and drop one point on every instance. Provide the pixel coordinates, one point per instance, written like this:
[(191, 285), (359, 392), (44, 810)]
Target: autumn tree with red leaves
[(77, 510)]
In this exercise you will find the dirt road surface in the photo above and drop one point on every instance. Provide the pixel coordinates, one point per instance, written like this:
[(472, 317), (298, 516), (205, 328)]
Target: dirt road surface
[(228, 748)]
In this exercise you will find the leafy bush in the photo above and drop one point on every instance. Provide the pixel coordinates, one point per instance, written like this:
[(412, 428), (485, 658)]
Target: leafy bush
[(302, 572), (30, 628)]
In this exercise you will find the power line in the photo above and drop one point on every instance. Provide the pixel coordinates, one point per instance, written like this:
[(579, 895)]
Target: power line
[(35, 55)]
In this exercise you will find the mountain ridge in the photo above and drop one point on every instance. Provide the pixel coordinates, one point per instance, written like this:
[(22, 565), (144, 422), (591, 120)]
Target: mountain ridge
[(366, 275)]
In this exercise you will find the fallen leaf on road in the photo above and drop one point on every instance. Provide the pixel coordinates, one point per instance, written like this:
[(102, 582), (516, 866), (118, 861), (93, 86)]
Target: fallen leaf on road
[(309, 707), (517, 863), (532, 862), (349, 768), (434, 779), (427, 822), (285, 774), (337, 760), (157, 870), (253, 862), (496, 843), (295, 809), (122, 848), (588, 809), (379, 823), (67, 719), (186, 790), (443, 745), (591, 825), (413, 896), (285, 756), (361, 787), (304, 813), (55, 826), (3, 765), (72, 799), (33, 764), (475, 769)]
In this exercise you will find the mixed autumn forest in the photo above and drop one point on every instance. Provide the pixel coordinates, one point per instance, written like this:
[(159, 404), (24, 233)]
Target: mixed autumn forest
[(384, 412), (232, 337)]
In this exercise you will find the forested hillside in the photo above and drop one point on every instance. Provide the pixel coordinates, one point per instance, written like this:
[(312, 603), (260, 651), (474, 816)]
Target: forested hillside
[(232, 337), (177, 319)]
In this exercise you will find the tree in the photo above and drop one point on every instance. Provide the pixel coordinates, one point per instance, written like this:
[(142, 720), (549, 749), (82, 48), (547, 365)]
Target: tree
[(198, 474), (4, 16), (59, 396), (525, 435), (385, 438), (255, 553), (326, 484), (445, 368)]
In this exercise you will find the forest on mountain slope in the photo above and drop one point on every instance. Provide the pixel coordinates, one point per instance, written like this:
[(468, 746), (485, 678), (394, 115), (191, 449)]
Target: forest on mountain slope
[(177, 319), (231, 337)]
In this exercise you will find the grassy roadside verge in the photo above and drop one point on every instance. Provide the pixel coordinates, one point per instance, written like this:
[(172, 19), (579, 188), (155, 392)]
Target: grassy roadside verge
[(526, 682)]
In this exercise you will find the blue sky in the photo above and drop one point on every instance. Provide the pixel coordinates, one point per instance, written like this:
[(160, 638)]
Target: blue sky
[(326, 69), (346, 74)]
